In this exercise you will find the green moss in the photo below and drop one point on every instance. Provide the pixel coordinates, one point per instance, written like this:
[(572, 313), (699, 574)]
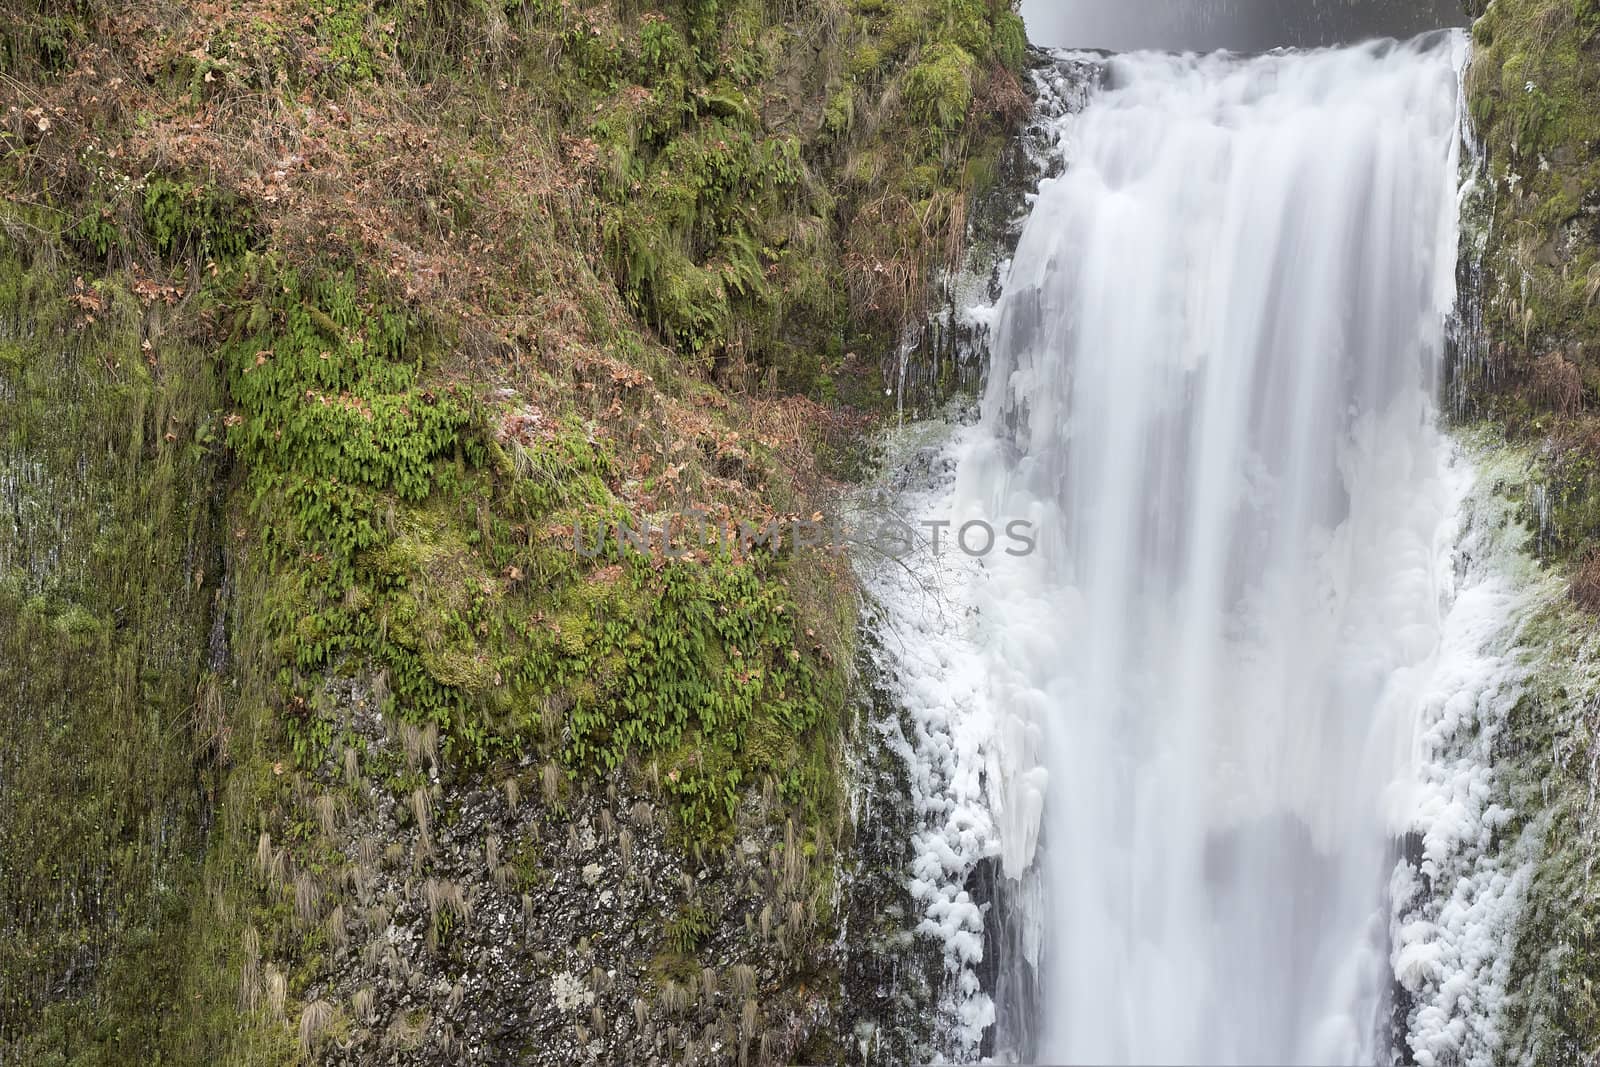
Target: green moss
[(330, 408), (939, 88), (39, 35), (705, 674), (180, 216), (662, 50), (687, 927), (341, 27), (697, 237), (840, 114), (1010, 41), (684, 250), (866, 60)]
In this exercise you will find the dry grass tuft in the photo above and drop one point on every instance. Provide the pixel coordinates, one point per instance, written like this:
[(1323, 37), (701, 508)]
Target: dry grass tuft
[(446, 897), (307, 898), (362, 1004), (1558, 384), (326, 807), (675, 999), (250, 983), (269, 862), (276, 987), (743, 983), (1585, 586), (313, 1021), (491, 851), (421, 809), (333, 926), (625, 849)]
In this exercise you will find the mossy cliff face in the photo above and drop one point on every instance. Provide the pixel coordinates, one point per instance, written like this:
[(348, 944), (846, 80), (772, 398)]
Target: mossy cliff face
[(112, 712), (1533, 88), (1531, 373), (322, 326)]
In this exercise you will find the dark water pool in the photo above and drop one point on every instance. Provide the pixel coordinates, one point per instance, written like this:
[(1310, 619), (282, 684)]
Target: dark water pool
[(1240, 25)]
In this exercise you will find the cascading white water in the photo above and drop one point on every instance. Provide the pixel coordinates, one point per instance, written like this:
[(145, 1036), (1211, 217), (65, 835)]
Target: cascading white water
[(1212, 384), (1213, 391)]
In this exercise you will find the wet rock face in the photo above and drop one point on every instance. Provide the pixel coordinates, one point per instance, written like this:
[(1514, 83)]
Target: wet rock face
[(514, 919), (891, 977), (944, 357), (527, 922), (108, 711)]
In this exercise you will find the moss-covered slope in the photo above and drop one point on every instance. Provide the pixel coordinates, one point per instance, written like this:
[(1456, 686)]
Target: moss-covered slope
[(322, 326)]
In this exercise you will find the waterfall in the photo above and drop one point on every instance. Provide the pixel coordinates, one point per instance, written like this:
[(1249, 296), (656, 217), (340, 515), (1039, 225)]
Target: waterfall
[(1186, 727)]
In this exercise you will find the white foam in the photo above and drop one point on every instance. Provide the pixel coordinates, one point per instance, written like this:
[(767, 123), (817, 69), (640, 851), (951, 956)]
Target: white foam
[(1455, 910)]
